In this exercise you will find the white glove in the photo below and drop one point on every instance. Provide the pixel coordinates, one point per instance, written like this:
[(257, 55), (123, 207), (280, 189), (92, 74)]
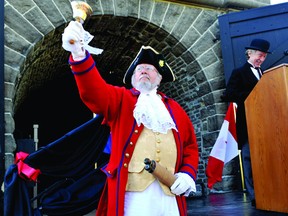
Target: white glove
[(74, 32), (184, 184)]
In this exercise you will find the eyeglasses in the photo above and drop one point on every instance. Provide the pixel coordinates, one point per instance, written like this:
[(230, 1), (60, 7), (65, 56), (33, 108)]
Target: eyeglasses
[(145, 67)]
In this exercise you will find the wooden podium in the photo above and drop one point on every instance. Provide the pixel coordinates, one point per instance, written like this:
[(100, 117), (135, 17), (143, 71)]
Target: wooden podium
[(267, 122)]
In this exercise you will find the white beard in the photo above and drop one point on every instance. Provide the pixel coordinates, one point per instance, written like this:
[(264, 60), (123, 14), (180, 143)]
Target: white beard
[(145, 87)]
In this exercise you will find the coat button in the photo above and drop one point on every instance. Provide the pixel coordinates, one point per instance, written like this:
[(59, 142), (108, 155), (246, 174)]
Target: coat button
[(131, 143), (125, 165), (158, 160), (136, 131), (127, 155)]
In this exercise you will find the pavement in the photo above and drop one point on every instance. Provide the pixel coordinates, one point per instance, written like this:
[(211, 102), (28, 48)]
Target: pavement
[(222, 204)]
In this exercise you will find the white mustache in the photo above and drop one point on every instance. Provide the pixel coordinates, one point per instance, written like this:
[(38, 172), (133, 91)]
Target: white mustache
[(144, 76)]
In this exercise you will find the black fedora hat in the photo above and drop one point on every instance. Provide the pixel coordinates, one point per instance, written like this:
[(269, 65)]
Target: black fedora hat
[(259, 44), (147, 55)]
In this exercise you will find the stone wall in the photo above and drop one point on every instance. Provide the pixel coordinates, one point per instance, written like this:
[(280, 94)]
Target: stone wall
[(186, 34)]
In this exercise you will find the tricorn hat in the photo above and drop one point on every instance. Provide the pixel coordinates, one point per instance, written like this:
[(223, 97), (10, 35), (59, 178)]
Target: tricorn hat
[(147, 55), (259, 44)]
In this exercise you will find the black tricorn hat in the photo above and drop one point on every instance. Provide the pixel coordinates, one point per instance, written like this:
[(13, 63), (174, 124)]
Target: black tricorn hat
[(259, 44), (147, 55)]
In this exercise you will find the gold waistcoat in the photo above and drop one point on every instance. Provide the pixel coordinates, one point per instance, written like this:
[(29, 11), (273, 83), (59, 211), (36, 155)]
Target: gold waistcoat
[(156, 146)]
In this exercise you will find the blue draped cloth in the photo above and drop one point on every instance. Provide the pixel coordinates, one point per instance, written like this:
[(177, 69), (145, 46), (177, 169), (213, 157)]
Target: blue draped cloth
[(71, 159)]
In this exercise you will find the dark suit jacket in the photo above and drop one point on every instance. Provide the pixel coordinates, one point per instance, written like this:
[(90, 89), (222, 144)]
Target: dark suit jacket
[(239, 86)]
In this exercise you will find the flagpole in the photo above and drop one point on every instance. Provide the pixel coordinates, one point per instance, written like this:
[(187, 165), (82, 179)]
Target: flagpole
[(36, 140), (240, 158), (241, 171)]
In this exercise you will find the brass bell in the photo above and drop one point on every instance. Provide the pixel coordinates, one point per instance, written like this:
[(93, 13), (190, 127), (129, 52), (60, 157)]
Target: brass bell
[(81, 10)]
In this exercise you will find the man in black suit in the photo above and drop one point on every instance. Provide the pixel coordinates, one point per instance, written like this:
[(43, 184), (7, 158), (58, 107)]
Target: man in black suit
[(239, 86)]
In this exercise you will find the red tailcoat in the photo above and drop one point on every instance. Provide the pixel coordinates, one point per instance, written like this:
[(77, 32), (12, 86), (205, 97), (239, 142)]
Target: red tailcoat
[(117, 105)]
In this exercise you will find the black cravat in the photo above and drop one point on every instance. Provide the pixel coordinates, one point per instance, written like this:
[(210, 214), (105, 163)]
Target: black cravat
[(259, 71)]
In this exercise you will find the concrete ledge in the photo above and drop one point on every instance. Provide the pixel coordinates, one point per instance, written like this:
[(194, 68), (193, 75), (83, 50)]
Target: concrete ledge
[(223, 4)]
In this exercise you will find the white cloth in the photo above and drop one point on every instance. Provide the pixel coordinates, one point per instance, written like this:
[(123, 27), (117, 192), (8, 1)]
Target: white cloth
[(81, 38), (153, 201), (152, 113)]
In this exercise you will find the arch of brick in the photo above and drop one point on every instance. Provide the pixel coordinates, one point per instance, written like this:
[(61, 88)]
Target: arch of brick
[(188, 37)]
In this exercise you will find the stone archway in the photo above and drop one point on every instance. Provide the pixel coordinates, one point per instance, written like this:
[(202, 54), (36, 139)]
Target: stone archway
[(46, 92), (187, 36)]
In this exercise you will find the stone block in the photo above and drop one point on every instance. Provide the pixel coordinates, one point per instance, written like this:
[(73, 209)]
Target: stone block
[(20, 25), (9, 123), (52, 12), (39, 21), (10, 74), (10, 144)]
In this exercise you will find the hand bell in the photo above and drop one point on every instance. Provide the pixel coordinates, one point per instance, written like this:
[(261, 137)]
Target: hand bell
[(81, 10)]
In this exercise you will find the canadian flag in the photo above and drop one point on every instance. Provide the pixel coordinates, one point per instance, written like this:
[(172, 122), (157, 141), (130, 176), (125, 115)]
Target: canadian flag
[(224, 149)]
